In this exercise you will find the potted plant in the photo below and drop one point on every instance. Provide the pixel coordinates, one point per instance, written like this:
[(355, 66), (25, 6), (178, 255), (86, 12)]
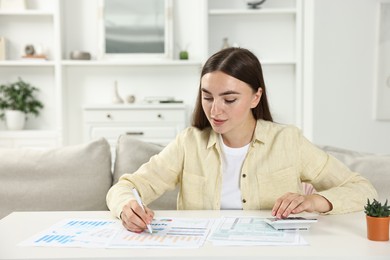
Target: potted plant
[(377, 216), (17, 100)]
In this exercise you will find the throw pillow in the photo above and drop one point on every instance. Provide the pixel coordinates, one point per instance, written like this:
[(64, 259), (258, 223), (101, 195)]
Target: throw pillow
[(130, 155), (374, 167)]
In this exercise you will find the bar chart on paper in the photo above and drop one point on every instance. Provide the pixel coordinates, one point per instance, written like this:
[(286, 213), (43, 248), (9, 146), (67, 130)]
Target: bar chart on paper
[(167, 232), (75, 233)]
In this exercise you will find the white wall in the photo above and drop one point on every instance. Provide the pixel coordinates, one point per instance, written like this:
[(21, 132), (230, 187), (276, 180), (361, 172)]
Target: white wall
[(344, 65)]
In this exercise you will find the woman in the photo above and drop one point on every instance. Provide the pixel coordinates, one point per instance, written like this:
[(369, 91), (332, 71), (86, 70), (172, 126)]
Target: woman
[(235, 157)]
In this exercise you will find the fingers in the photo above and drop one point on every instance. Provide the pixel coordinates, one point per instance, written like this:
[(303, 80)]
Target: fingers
[(134, 218), (290, 203)]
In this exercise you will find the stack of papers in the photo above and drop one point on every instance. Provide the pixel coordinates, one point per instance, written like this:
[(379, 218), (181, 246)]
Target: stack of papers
[(252, 231), (167, 233)]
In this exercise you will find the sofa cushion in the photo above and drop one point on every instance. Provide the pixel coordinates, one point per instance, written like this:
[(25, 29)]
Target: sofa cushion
[(374, 167), (67, 178), (130, 155)]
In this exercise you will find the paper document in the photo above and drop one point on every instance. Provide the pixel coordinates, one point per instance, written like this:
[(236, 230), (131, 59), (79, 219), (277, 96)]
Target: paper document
[(167, 232), (76, 233), (252, 231)]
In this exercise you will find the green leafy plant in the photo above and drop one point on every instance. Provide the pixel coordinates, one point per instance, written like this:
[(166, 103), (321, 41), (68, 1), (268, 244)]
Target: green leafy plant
[(19, 96), (376, 209)]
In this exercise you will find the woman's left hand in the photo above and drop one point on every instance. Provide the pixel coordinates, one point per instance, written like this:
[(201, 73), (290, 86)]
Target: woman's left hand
[(294, 203)]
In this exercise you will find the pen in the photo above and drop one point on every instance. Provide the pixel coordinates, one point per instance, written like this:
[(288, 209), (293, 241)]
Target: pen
[(138, 198)]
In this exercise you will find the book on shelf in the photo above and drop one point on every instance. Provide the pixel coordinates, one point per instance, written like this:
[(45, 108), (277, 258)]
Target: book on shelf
[(34, 57)]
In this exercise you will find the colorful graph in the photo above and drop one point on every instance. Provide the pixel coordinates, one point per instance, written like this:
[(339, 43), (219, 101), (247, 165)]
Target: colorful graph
[(166, 233), (75, 233)]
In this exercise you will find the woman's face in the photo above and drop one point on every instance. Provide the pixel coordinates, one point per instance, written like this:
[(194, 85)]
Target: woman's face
[(227, 102)]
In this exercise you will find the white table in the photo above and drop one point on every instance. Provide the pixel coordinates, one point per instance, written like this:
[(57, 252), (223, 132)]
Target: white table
[(333, 237)]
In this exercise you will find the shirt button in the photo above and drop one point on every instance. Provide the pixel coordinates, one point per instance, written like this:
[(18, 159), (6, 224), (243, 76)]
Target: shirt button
[(244, 175), (244, 201)]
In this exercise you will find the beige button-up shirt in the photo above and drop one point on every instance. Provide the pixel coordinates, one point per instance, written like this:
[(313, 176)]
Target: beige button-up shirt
[(279, 159)]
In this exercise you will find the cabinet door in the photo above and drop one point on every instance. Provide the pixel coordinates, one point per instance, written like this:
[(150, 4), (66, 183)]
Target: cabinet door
[(139, 132)]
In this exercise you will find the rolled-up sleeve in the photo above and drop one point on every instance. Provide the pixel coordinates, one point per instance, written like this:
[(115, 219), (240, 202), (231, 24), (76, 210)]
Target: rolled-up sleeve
[(151, 180), (347, 191)]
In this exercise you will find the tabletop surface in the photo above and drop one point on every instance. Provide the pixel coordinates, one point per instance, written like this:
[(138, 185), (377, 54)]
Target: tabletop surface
[(332, 237)]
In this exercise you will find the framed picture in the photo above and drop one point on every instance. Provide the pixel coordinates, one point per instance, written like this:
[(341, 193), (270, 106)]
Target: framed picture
[(382, 95), (135, 29), (15, 5)]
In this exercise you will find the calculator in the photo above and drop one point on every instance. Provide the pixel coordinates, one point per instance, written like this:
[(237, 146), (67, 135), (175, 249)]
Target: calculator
[(291, 223)]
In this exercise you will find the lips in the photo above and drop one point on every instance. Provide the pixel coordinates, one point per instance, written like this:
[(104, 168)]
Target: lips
[(218, 122)]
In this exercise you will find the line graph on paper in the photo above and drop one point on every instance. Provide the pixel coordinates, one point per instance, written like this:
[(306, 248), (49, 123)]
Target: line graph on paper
[(167, 233)]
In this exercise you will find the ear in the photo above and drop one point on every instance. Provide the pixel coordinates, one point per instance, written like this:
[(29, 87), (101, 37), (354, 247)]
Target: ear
[(256, 98)]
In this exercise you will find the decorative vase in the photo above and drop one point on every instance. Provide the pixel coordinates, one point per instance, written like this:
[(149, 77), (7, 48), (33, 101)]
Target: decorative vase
[(116, 99), (225, 43), (378, 228), (15, 119)]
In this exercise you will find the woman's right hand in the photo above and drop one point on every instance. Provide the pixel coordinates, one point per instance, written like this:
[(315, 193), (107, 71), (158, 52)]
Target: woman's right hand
[(134, 218)]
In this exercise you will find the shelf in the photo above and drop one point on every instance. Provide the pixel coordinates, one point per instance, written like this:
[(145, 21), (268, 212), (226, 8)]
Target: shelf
[(27, 13), (249, 11), (29, 134), (135, 106), (130, 63), (277, 62), (22, 63)]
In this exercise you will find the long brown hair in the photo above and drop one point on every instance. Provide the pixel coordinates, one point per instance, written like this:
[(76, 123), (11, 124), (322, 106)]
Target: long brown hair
[(241, 64)]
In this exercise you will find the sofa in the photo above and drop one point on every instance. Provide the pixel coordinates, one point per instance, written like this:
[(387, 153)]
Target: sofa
[(78, 177)]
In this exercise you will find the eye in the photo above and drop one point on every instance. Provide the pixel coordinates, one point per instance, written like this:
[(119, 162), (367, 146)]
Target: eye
[(207, 98), (229, 101)]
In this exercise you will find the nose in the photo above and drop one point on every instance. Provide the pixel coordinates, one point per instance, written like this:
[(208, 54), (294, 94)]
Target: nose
[(216, 108)]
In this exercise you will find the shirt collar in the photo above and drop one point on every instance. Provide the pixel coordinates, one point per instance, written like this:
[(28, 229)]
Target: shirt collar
[(212, 139), (260, 135)]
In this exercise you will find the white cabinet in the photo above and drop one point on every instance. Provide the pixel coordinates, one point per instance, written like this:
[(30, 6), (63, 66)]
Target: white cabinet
[(150, 123), (274, 34)]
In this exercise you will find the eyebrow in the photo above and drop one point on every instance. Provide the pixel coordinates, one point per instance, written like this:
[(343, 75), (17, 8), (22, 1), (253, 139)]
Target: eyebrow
[(229, 92)]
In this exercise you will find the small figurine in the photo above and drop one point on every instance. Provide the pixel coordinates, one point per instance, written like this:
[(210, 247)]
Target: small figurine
[(29, 50)]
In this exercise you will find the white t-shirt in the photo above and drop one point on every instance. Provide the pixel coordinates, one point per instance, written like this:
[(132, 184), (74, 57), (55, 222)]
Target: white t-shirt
[(232, 160)]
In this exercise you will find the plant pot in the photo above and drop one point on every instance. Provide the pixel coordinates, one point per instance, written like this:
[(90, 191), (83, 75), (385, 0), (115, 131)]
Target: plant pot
[(15, 119), (183, 55), (378, 228)]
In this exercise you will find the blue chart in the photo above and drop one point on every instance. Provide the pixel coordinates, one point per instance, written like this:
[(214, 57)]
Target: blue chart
[(74, 233), (55, 238)]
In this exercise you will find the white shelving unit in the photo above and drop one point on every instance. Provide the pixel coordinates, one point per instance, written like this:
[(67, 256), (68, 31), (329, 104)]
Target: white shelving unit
[(67, 86), (38, 25), (274, 34)]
